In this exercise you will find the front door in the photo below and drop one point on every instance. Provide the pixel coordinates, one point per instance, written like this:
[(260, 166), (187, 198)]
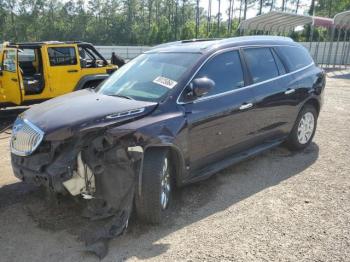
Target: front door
[(63, 68), (219, 123), (10, 90)]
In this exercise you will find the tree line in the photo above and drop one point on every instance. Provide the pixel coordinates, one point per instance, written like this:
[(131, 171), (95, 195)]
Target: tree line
[(140, 22)]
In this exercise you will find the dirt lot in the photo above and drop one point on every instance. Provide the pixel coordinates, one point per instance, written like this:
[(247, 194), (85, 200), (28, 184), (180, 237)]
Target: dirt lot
[(280, 206)]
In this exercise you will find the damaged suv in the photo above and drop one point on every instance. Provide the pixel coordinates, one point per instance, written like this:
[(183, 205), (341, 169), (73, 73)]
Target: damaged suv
[(174, 115)]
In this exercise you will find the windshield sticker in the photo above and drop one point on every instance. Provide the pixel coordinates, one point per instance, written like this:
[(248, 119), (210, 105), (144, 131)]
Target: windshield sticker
[(163, 81)]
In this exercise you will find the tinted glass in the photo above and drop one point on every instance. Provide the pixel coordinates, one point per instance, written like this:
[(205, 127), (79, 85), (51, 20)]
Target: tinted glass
[(225, 70), (60, 56), (261, 64), (149, 76), (295, 57)]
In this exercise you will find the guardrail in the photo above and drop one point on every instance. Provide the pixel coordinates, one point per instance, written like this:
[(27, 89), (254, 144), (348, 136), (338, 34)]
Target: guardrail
[(126, 52)]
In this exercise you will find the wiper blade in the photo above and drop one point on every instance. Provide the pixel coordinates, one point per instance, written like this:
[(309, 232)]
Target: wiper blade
[(123, 96)]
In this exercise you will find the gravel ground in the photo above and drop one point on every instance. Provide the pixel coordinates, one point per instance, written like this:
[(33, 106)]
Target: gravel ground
[(279, 206)]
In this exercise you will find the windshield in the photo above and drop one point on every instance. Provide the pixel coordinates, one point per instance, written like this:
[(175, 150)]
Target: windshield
[(149, 76)]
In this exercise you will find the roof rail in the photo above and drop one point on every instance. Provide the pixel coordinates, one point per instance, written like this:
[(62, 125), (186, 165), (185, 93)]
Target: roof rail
[(200, 40)]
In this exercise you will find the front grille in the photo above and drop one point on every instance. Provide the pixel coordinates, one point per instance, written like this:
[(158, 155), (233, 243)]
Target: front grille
[(26, 137)]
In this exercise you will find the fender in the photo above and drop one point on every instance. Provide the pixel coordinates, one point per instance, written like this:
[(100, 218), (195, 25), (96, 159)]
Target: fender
[(88, 78), (315, 101)]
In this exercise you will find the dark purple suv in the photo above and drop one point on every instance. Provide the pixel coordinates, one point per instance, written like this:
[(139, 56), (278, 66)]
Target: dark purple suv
[(174, 115)]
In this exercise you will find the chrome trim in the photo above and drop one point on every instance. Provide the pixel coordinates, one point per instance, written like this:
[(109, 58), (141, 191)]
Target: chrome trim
[(126, 113), (235, 90), (289, 91), (245, 106), (35, 146)]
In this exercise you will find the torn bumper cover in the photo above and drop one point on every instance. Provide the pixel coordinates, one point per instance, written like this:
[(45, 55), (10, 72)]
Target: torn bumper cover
[(101, 169)]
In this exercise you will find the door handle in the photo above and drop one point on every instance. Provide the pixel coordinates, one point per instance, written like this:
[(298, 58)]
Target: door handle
[(289, 91), (72, 71), (14, 79), (245, 106)]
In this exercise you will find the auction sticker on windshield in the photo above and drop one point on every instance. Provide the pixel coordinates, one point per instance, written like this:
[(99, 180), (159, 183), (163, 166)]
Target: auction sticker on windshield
[(166, 82)]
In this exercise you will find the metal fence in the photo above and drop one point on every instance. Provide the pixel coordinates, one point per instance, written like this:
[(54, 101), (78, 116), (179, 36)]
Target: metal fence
[(324, 53), (329, 53)]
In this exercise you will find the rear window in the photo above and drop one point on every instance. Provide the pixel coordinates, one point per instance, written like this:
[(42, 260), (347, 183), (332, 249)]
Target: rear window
[(26, 55), (261, 64), (294, 57)]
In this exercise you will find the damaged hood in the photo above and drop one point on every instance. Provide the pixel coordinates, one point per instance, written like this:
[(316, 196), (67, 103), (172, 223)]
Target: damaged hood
[(61, 117)]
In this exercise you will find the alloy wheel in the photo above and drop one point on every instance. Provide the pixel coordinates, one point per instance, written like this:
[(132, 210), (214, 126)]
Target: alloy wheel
[(165, 185), (306, 128)]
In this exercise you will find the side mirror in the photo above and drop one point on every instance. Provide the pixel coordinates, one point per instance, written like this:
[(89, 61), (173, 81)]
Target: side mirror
[(201, 86), (0, 70)]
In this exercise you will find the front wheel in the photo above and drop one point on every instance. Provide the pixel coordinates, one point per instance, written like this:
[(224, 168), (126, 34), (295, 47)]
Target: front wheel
[(304, 129), (156, 189)]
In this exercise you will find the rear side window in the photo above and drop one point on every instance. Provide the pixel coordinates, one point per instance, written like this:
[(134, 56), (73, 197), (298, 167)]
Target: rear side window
[(60, 56), (261, 64), (225, 70), (295, 57)]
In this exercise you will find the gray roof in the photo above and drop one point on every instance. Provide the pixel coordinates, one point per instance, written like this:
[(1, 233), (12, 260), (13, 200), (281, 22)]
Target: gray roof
[(275, 22), (342, 20), (201, 45)]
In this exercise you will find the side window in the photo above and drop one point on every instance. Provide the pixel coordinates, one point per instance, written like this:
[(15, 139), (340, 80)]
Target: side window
[(27, 55), (60, 56), (225, 70), (261, 64), (295, 57), (280, 66), (9, 63)]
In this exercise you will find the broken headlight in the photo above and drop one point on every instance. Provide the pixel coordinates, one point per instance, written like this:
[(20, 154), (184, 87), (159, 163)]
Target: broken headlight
[(26, 137)]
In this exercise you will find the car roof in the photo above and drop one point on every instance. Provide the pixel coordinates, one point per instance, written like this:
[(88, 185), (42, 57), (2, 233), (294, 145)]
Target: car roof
[(39, 44), (206, 45)]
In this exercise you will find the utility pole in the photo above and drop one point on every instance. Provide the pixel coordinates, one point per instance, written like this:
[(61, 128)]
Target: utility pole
[(219, 13), (232, 15), (229, 16), (260, 7), (209, 18), (197, 17)]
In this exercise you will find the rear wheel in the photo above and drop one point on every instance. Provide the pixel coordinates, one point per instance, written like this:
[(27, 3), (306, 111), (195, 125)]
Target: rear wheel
[(304, 129), (156, 190)]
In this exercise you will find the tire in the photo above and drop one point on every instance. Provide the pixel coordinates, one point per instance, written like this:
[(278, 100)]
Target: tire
[(151, 207), (304, 129)]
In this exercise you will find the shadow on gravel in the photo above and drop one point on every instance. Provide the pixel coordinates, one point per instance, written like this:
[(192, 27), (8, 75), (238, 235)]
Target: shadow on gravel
[(190, 204), (338, 73)]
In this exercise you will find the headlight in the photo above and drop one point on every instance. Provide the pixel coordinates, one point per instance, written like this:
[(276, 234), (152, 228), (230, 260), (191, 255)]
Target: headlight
[(26, 137)]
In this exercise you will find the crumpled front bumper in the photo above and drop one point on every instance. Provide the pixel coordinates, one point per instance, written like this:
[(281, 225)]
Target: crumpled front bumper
[(115, 166), (29, 172)]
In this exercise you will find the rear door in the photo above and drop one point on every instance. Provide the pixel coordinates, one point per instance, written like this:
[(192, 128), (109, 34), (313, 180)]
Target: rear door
[(270, 83), (10, 90), (220, 122), (63, 68)]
